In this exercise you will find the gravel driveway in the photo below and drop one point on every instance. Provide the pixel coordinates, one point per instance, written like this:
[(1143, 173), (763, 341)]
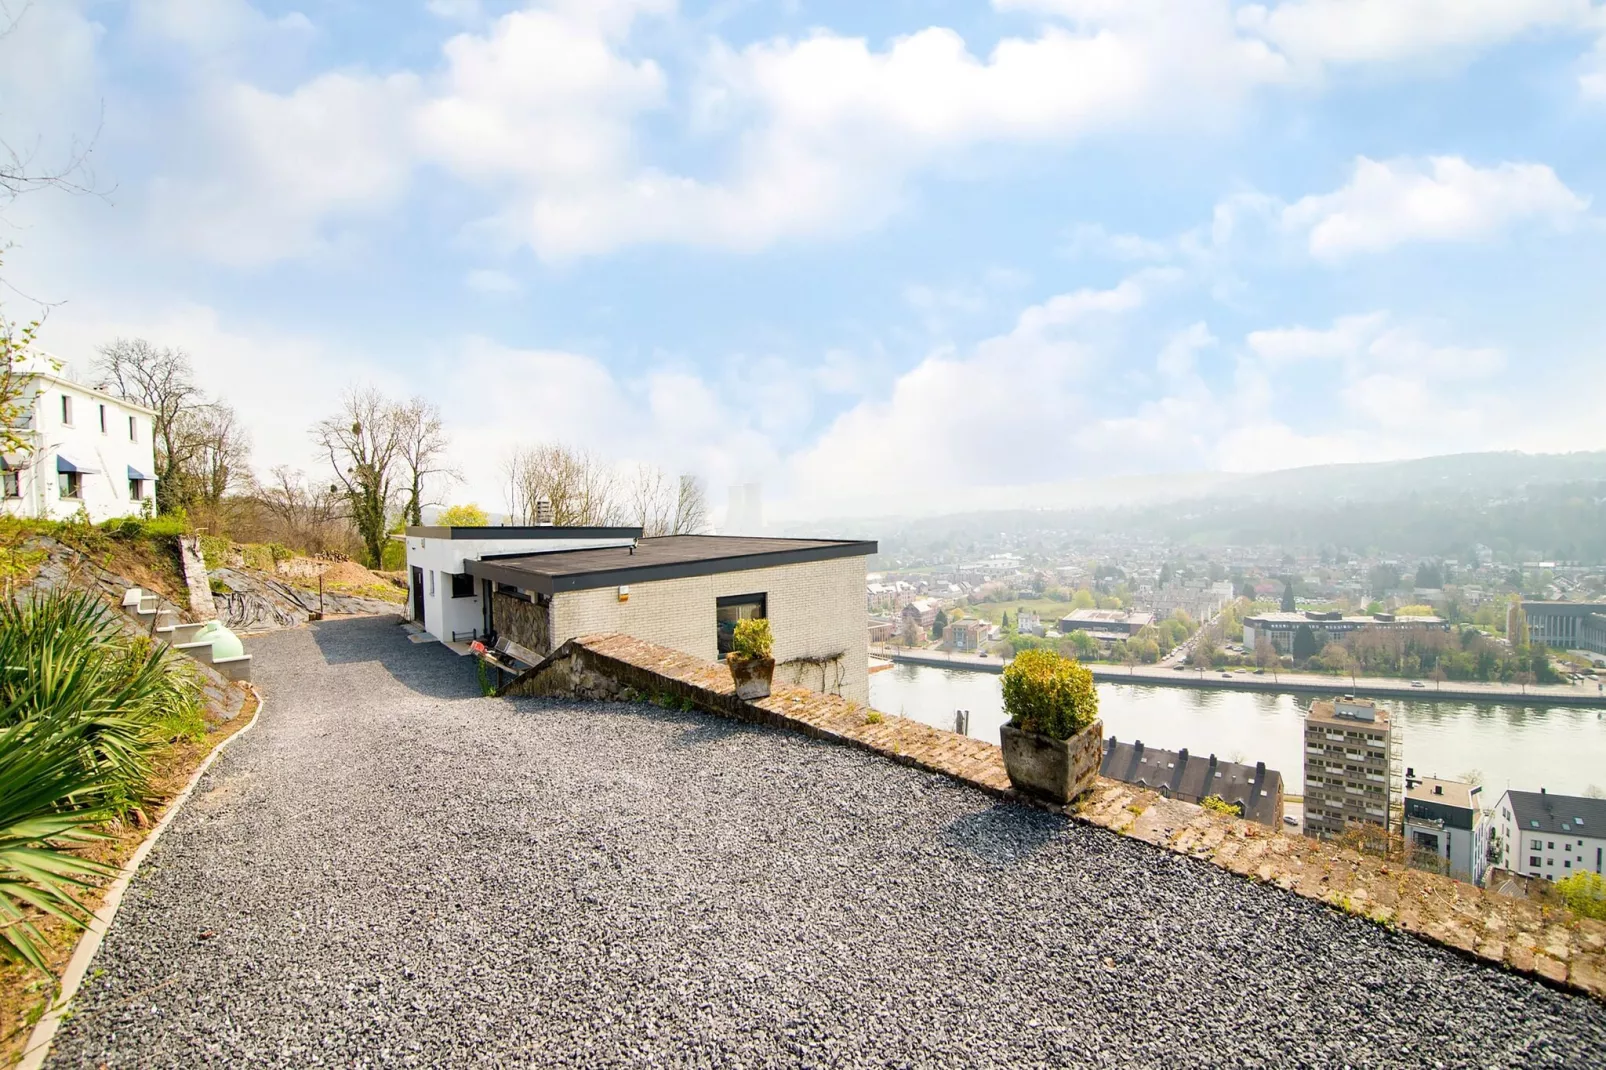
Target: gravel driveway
[(391, 870)]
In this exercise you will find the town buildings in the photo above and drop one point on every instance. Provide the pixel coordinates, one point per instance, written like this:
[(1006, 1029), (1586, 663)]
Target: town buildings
[(1108, 624), (968, 634), (923, 611), (1282, 628), (1446, 819), (1567, 625), (88, 452), (1349, 755), (537, 590), (1258, 791), (1539, 834)]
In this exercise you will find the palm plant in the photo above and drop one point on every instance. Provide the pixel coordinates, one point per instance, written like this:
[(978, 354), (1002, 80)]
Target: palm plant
[(82, 708), (46, 810)]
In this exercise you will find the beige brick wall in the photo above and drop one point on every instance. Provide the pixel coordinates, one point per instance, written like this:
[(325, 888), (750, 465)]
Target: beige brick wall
[(816, 610)]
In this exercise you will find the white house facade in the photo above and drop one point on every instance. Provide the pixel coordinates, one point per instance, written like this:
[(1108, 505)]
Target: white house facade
[(89, 452), (1551, 836)]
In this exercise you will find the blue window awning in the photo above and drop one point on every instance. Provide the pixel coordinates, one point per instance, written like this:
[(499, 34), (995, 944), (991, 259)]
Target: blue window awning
[(135, 473), (67, 464)]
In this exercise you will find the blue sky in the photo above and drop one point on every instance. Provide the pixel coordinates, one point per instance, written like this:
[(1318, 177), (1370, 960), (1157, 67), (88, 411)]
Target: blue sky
[(895, 257)]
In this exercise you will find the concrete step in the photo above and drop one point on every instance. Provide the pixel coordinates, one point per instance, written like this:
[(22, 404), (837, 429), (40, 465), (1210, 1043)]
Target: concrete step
[(236, 668), (179, 633), (201, 652)]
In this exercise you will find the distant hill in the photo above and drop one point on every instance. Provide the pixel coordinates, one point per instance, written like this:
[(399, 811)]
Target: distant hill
[(1550, 506)]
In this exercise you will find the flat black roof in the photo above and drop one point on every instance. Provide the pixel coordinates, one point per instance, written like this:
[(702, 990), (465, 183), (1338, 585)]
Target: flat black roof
[(667, 557), (529, 531)]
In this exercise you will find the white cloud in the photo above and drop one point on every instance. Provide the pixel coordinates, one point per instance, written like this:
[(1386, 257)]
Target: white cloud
[(210, 28), (1318, 32), (283, 166), (1444, 198), (1288, 345), (1372, 342), (1592, 82)]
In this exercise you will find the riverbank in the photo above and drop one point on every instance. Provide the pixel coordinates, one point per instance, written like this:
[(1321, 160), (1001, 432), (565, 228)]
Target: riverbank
[(1283, 683)]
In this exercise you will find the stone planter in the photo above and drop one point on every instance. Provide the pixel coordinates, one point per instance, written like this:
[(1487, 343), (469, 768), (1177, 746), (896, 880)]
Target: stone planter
[(752, 676), (1053, 770)]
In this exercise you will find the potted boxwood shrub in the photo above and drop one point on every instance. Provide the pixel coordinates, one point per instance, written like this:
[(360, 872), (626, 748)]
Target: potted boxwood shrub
[(1053, 741), (752, 667)]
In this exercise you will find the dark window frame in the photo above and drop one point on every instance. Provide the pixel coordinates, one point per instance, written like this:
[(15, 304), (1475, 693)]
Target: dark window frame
[(462, 585), (66, 410), (136, 490), (71, 486), (759, 598), (11, 486)]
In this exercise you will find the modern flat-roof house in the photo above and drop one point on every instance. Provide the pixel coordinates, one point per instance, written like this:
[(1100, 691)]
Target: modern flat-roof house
[(1280, 628), (1445, 818), (1551, 836), (1190, 778), (88, 451), (685, 592)]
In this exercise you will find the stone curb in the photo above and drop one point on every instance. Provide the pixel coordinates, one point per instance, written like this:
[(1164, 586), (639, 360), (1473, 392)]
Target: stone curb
[(39, 1041)]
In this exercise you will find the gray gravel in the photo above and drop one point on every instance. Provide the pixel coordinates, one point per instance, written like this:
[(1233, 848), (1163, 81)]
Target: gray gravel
[(391, 870)]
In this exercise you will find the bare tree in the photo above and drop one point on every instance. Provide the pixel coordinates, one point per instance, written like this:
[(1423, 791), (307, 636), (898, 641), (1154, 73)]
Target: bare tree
[(691, 507), (423, 455), (161, 380), (363, 444), (582, 489), (306, 515), (219, 451)]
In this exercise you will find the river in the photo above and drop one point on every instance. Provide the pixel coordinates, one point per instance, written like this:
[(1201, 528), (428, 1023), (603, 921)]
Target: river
[(1560, 748)]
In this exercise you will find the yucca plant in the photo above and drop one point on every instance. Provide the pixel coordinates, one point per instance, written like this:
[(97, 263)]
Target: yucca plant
[(83, 706), (63, 656), (47, 806)]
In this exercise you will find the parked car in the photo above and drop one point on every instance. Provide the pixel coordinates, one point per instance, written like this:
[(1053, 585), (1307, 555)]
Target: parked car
[(1179, 668), (1260, 672), (1418, 683), (1226, 676), (1290, 819)]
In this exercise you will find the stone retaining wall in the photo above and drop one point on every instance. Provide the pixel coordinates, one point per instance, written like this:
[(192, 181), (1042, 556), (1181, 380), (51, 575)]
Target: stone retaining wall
[(1542, 940)]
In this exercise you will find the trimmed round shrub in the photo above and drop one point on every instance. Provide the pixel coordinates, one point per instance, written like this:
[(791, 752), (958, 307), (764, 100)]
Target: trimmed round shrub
[(1047, 693), (752, 638)]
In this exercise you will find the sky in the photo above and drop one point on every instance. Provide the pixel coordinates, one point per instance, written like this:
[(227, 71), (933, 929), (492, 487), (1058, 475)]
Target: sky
[(882, 258)]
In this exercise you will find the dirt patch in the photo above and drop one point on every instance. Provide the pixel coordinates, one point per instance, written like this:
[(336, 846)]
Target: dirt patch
[(26, 993)]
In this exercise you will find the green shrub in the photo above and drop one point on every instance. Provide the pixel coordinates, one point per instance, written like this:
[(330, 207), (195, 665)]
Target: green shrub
[(1047, 693), (216, 550), (218, 584), (1584, 894), (874, 717), (1216, 804), (168, 526), (753, 638), (279, 552)]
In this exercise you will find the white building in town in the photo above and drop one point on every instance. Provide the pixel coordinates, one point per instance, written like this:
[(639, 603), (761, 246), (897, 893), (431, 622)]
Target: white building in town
[(88, 451), (1446, 819), (1550, 836)]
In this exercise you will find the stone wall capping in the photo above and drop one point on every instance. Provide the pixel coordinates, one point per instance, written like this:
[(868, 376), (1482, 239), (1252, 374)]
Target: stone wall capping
[(1545, 943)]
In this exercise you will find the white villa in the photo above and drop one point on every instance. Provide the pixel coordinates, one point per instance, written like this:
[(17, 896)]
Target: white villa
[(88, 450)]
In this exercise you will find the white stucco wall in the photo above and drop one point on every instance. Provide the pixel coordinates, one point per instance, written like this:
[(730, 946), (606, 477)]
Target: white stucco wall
[(440, 558), (816, 610), (110, 452)]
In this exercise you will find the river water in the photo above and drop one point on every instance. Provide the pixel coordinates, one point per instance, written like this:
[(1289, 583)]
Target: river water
[(1560, 748)]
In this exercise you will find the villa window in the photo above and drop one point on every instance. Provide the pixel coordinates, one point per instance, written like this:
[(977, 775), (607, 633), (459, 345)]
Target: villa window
[(136, 490), (732, 608), (462, 585), (103, 419), (432, 583), (66, 410), (133, 429), (12, 485), (72, 485)]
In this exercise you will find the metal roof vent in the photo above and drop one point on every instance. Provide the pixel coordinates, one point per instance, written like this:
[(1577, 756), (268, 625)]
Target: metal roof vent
[(543, 511)]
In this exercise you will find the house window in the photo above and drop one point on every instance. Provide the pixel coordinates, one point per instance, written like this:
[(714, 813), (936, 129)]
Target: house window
[(133, 429), (136, 490), (66, 410), (462, 585), (1534, 844), (432, 583), (733, 608), (12, 485), (1533, 860), (103, 419), (72, 485)]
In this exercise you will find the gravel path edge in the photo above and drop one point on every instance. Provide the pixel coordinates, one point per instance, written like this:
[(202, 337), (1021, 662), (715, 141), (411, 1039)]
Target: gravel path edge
[(44, 1032)]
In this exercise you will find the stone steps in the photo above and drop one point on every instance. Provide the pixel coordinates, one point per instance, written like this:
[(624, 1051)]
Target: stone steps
[(163, 623)]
